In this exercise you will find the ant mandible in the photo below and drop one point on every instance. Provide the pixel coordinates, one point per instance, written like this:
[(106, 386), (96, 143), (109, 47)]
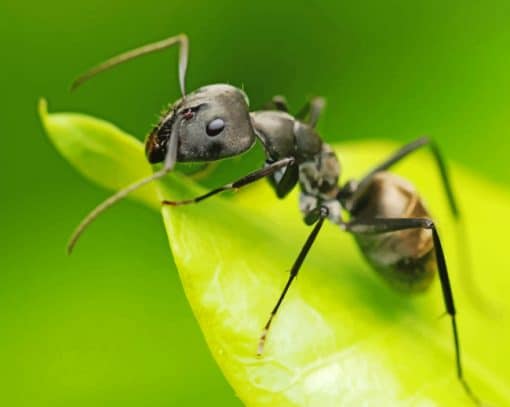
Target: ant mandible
[(387, 218)]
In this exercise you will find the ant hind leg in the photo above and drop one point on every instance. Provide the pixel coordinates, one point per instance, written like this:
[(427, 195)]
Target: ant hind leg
[(385, 225)]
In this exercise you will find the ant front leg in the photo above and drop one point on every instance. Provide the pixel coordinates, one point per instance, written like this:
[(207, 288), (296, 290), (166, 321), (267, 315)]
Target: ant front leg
[(241, 182), (385, 225), (316, 216)]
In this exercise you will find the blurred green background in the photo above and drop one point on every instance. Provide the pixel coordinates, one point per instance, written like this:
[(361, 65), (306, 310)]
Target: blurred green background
[(110, 325)]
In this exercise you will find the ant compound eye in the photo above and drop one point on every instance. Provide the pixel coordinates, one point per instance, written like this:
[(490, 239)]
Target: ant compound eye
[(214, 127)]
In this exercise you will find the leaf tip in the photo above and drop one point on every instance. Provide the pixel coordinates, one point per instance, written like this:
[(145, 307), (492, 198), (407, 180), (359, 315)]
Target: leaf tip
[(42, 108)]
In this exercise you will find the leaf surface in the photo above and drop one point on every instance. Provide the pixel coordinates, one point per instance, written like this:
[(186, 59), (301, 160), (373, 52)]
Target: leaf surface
[(342, 337)]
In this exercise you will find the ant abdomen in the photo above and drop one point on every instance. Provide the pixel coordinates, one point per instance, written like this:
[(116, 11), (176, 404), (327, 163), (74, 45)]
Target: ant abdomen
[(404, 258)]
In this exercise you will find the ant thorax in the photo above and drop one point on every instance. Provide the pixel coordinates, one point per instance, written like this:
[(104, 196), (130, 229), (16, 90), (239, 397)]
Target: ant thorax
[(316, 167), (318, 180)]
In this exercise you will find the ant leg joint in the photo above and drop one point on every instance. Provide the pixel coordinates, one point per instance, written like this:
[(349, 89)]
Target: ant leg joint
[(324, 211), (428, 223), (317, 213)]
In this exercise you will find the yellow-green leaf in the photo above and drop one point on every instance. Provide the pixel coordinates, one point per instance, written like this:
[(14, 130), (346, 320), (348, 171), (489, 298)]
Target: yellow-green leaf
[(342, 337), (100, 151)]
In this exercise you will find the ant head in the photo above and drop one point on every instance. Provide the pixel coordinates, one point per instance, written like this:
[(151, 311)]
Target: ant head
[(211, 123)]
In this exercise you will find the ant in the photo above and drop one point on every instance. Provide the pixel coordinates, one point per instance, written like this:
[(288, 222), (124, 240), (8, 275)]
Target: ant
[(387, 218)]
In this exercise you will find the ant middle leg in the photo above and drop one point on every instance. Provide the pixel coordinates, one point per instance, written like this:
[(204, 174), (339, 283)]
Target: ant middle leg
[(316, 216)]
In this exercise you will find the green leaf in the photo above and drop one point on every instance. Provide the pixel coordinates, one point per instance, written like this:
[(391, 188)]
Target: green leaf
[(100, 151), (342, 337)]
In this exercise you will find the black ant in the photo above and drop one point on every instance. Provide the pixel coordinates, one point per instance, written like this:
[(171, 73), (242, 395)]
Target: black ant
[(386, 216)]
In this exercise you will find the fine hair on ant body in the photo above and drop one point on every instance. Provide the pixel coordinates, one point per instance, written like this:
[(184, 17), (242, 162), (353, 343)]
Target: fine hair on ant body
[(387, 218)]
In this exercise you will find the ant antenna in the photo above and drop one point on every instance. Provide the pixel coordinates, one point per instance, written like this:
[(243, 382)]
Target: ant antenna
[(171, 156), (180, 39), (169, 164)]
